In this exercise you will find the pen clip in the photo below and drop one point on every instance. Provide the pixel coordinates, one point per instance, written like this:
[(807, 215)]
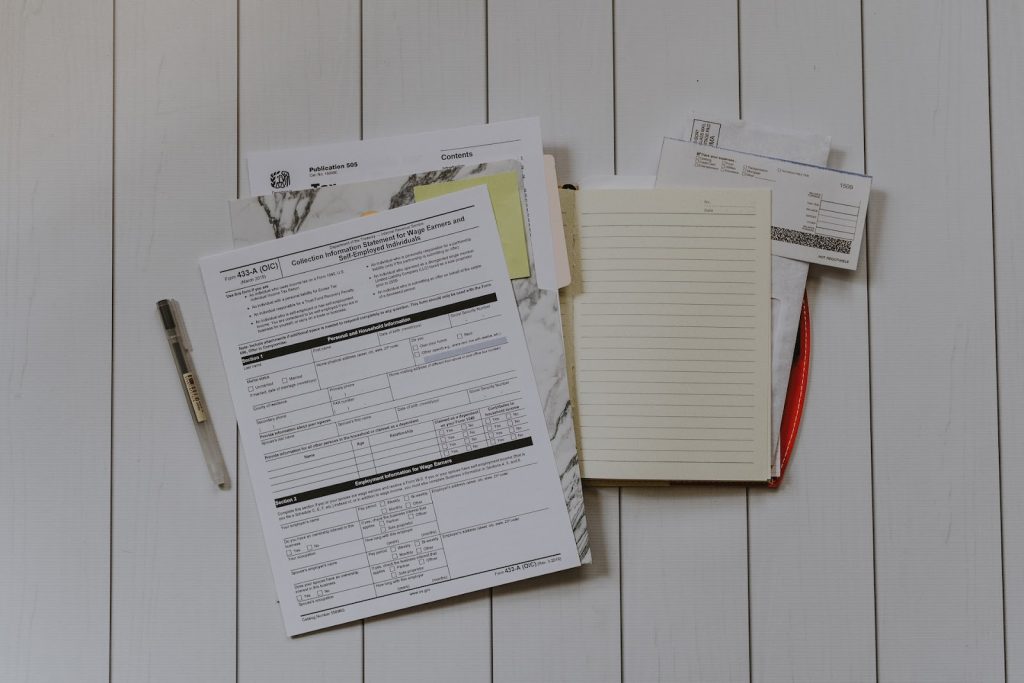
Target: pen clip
[(182, 331)]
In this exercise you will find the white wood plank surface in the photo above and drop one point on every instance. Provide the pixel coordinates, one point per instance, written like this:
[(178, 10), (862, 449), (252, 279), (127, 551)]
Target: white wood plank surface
[(565, 627), (670, 59), (174, 559), (684, 550), (684, 584), (1006, 23), (299, 76), (555, 61), (811, 555), (299, 79), (120, 141), (55, 340), (424, 67), (933, 383)]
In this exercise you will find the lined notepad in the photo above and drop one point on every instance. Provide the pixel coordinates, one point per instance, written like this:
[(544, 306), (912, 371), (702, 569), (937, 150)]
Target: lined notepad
[(669, 322)]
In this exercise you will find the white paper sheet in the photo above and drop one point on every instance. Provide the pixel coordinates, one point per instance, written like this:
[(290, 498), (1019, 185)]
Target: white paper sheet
[(789, 281), (817, 213), (561, 256), (387, 411), (347, 162)]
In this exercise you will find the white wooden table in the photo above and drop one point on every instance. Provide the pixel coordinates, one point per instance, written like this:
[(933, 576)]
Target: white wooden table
[(894, 551)]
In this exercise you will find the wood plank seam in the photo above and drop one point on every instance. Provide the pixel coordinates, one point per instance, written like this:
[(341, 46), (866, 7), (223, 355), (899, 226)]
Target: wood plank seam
[(995, 318), (867, 274)]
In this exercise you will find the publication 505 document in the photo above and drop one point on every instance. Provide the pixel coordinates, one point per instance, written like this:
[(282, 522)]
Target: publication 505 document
[(376, 158), (388, 413)]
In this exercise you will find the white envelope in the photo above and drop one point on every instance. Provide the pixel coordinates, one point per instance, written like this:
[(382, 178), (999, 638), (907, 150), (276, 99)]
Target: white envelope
[(716, 131)]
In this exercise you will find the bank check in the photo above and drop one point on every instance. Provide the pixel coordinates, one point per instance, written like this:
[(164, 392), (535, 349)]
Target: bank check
[(818, 213)]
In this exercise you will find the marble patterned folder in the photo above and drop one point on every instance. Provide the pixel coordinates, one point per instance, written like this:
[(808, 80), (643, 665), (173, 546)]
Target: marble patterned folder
[(257, 219)]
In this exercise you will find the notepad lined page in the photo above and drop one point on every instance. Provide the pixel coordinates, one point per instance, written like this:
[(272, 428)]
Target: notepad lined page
[(671, 329)]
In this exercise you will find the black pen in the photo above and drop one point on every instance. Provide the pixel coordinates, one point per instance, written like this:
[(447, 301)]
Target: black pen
[(178, 340)]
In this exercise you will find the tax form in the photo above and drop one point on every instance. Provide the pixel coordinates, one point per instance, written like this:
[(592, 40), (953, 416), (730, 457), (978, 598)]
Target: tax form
[(257, 219), (388, 413)]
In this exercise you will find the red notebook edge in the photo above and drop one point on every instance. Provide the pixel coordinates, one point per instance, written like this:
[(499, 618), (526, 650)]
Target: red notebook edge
[(796, 394)]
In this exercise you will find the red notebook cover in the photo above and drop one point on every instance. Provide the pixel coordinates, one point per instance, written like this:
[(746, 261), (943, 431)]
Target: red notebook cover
[(796, 393)]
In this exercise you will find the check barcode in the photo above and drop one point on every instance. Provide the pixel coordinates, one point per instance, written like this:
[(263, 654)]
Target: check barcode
[(809, 239)]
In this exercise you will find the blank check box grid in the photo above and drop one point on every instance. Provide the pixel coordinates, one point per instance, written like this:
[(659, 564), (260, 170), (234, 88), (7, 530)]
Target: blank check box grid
[(837, 219)]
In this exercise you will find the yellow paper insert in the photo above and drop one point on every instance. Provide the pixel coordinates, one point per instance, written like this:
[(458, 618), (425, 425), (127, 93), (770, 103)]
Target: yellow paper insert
[(503, 189)]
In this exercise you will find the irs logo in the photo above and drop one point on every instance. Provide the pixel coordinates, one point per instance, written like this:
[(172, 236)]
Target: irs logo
[(280, 180)]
